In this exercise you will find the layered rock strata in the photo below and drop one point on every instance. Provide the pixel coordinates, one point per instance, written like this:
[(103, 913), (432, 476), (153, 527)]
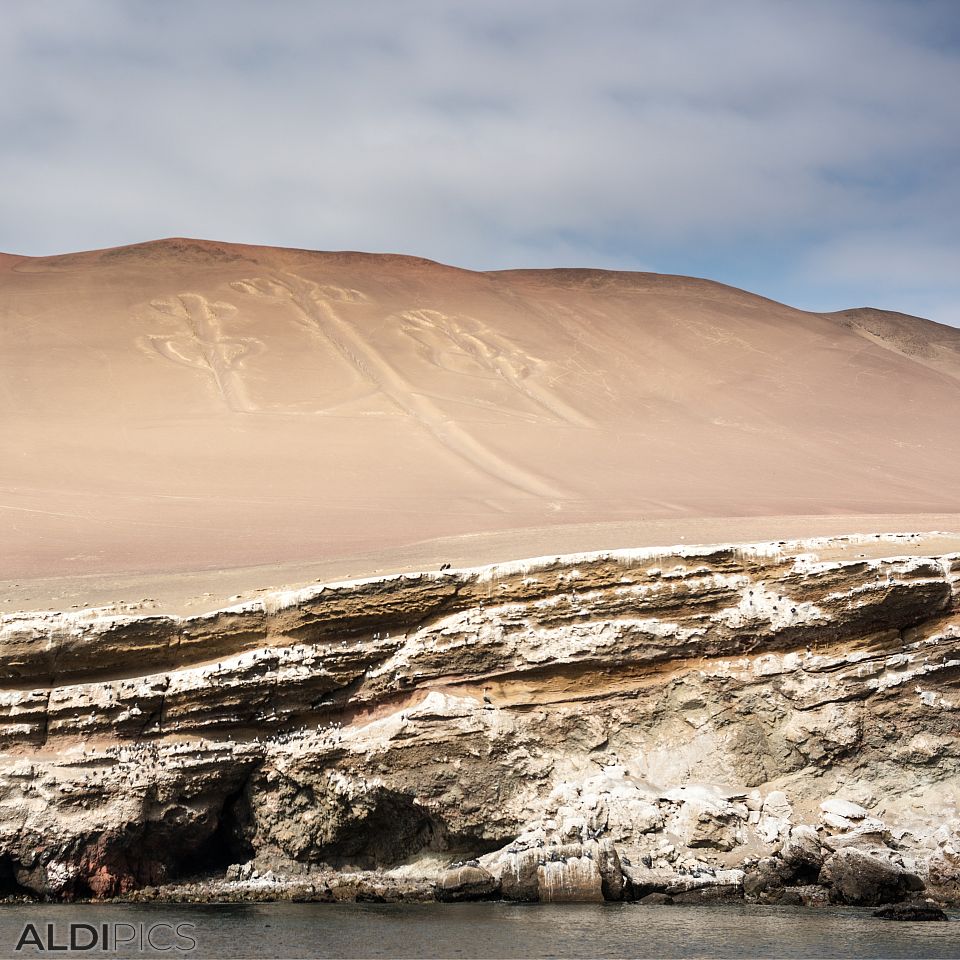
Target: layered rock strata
[(679, 724)]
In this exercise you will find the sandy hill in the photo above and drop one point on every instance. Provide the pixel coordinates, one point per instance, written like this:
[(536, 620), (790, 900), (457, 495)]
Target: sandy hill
[(182, 405)]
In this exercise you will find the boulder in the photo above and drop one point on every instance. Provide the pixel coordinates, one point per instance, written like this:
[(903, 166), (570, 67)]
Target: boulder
[(773, 820), (838, 814), (466, 883), (611, 873), (575, 880), (777, 805), (521, 873), (707, 822), (943, 874), (764, 878), (684, 883), (656, 900), (847, 809), (639, 882), (911, 912), (714, 893), (801, 855), (865, 833), (518, 873), (863, 879), (370, 888)]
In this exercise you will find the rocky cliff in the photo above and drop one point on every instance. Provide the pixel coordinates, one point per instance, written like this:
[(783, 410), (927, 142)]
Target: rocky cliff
[(686, 722)]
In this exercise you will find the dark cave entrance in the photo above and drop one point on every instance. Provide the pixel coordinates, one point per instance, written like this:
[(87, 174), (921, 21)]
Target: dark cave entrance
[(9, 885), (805, 875), (394, 830), (227, 844)]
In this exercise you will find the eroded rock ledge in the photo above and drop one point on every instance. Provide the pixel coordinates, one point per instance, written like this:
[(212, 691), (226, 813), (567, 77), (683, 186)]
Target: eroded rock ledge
[(676, 723)]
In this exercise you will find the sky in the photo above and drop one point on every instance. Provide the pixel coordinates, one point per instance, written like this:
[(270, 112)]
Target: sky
[(808, 151)]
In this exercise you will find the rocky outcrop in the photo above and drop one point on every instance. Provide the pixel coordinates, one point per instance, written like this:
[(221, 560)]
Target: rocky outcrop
[(911, 912), (863, 879), (688, 722), (465, 882)]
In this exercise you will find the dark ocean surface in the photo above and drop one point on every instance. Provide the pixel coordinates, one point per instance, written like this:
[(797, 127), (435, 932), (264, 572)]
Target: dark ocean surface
[(469, 930)]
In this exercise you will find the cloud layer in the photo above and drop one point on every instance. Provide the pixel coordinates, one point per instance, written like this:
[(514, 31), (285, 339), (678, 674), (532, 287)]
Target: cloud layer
[(806, 151)]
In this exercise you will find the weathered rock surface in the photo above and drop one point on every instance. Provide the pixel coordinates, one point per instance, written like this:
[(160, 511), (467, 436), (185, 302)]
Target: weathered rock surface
[(688, 722), (573, 880), (911, 912), (466, 883), (864, 879)]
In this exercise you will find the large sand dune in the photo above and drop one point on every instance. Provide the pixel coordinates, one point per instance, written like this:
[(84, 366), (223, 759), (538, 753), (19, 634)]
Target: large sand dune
[(186, 405)]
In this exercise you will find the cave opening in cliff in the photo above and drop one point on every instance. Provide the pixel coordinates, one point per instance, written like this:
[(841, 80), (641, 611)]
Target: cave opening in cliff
[(395, 829), (228, 842), (9, 885), (807, 874)]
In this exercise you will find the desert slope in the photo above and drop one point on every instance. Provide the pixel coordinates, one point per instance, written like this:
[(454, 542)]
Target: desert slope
[(924, 341), (184, 405)]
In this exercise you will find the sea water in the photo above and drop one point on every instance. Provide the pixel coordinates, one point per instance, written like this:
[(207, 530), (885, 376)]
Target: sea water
[(468, 930)]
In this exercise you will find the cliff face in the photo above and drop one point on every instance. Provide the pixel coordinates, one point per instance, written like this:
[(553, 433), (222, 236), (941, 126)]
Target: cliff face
[(734, 718)]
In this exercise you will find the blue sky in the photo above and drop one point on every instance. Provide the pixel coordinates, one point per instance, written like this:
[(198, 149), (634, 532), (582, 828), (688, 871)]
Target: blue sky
[(804, 150)]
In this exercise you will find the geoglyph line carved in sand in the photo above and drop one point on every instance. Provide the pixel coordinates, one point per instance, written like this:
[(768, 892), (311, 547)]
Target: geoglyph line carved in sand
[(314, 310), (270, 287), (589, 341), (204, 346), (441, 336)]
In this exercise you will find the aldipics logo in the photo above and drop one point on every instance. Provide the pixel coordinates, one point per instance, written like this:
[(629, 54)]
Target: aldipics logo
[(159, 937)]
